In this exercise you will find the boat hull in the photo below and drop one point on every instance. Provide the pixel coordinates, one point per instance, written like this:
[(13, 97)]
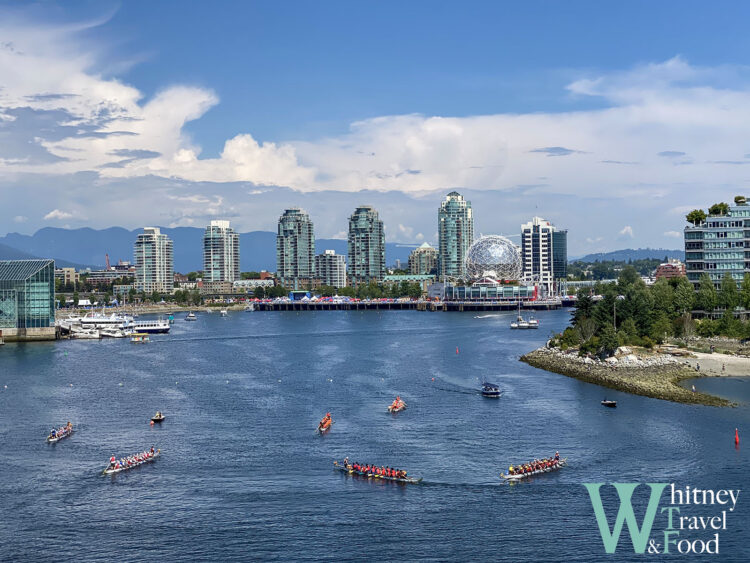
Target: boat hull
[(133, 466), (408, 481)]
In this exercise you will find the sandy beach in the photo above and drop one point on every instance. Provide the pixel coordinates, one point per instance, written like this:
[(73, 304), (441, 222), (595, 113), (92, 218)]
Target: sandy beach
[(719, 364)]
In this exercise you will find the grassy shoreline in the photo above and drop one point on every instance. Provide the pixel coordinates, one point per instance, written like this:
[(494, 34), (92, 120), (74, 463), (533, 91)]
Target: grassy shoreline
[(657, 382)]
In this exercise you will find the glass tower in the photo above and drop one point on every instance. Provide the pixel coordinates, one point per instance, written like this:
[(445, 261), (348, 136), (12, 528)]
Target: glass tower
[(544, 250), (221, 253), (27, 293), (295, 249), (154, 261), (365, 246), (456, 233)]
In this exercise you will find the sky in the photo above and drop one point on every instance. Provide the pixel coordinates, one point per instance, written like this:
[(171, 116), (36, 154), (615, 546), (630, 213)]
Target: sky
[(611, 120)]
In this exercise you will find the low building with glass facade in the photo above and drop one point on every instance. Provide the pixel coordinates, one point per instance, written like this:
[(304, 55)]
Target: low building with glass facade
[(27, 300), (719, 245), (484, 290)]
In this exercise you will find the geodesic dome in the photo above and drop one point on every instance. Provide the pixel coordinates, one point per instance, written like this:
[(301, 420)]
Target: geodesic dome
[(495, 257)]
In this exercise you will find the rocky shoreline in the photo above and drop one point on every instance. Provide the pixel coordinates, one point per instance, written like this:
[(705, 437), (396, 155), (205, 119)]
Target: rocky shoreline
[(656, 375)]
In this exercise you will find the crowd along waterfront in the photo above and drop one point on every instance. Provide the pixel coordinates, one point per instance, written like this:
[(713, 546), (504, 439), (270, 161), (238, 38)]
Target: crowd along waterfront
[(243, 474)]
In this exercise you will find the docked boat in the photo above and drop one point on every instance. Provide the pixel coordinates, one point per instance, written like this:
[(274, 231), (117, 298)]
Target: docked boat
[(554, 465), (130, 462), (347, 469), (191, 316), (170, 318), (249, 308), (160, 325), (158, 417), (140, 337), (610, 404), (224, 312), (60, 433), (100, 320), (85, 333), (112, 332), (397, 406), (491, 390)]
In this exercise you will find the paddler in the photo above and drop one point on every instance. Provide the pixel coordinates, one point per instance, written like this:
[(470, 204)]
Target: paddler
[(112, 461), (557, 456)]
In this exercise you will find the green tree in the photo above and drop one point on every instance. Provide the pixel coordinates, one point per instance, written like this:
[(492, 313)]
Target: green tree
[(259, 292), (745, 292), (608, 340), (740, 200), (663, 295), (719, 209), (629, 331), (661, 328), (728, 297), (684, 295), (628, 277), (696, 216), (76, 299), (706, 299)]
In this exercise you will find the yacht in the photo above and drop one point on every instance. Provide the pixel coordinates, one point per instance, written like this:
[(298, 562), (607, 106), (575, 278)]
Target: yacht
[(224, 312), (85, 333), (521, 323), (100, 320), (113, 332), (159, 325), (191, 316)]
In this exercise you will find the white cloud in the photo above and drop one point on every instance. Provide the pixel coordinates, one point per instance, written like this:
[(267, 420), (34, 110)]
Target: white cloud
[(627, 231), (20, 219), (673, 234), (57, 214)]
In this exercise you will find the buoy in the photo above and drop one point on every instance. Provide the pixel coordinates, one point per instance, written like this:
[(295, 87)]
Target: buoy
[(433, 379), (152, 423), (736, 436), (456, 349)]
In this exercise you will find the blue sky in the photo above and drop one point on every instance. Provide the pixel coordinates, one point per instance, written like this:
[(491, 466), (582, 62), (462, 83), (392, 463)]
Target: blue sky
[(175, 113)]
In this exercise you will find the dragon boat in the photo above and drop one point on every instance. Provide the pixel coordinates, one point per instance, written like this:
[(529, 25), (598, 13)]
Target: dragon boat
[(520, 476), (349, 471), (110, 470), (60, 436)]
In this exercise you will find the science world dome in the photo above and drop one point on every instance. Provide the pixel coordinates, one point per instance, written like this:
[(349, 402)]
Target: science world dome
[(495, 257)]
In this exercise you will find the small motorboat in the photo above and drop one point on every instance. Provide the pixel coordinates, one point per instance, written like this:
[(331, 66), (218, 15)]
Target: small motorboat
[(224, 312), (490, 390), (140, 337), (325, 424), (158, 417), (191, 316), (397, 406), (610, 404)]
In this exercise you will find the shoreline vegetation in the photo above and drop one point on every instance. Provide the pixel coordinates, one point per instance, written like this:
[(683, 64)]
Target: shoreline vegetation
[(653, 375)]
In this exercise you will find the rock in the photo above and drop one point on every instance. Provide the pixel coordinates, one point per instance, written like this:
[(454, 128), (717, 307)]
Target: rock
[(623, 351), (611, 360)]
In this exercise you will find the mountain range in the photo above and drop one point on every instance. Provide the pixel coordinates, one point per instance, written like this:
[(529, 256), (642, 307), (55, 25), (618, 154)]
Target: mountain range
[(633, 254), (88, 246)]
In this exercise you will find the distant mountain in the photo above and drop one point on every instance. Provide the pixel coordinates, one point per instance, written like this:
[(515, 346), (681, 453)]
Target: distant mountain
[(632, 254), (9, 253), (88, 246)]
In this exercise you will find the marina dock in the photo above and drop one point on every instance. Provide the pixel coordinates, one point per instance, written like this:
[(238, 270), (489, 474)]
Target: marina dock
[(432, 306)]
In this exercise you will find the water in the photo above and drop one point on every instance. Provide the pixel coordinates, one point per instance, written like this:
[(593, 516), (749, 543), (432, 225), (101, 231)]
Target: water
[(243, 475)]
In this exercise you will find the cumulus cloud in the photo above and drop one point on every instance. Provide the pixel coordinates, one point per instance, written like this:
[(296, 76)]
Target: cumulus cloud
[(57, 214), (627, 231), (673, 234), (20, 219)]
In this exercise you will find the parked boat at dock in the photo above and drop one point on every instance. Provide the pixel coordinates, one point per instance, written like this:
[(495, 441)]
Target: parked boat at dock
[(160, 325)]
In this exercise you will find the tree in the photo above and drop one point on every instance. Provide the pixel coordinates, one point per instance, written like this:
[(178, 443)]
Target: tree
[(629, 331), (608, 340), (628, 277), (740, 200), (706, 298), (661, 328), (728, 297), (76, 299), (688, 326), (745, 292), (663, 295), (696, 216), (684, 294), (586, 328), (259, 292), (719, 209)]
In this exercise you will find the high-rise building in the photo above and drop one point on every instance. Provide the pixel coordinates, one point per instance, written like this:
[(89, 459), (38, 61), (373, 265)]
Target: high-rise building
[(719, 245), (544, 251), (295, 249), (366, 247), (456, 233), (27, 300), (423, 260), (330, 269), (154, 261), (221, 253)]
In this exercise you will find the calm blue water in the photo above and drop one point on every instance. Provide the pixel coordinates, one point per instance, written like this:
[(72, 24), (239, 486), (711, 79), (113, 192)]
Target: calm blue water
[(243, 475)]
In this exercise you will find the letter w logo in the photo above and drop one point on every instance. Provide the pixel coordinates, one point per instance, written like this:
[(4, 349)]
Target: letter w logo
[(638, 536)]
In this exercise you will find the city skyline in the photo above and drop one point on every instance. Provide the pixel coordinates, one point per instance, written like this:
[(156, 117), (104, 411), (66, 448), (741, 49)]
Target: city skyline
[(107, 121)]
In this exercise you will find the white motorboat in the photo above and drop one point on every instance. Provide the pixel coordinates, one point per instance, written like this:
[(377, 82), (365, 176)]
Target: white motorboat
[(85, 333), (191, 316), (521, 323), (160, 325), (100, 320), (112, 332), (224, 312)]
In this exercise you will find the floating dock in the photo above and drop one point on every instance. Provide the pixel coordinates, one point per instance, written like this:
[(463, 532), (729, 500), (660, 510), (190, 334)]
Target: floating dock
[(432, 306)]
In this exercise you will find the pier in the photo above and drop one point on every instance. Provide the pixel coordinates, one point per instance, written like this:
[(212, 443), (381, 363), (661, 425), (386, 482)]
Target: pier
[(432, 306)]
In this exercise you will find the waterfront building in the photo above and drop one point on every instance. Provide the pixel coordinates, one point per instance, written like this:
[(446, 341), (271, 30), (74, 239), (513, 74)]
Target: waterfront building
[(330, 269), (105, 277), (216, 288), (27, 300), (719, 245), (544, 252), (244, 286), (221, 253), (455, 233), (672, 269), (366, 247), (67, 275), (295, 249), (423, 260), (483, 290), (154, 261)]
